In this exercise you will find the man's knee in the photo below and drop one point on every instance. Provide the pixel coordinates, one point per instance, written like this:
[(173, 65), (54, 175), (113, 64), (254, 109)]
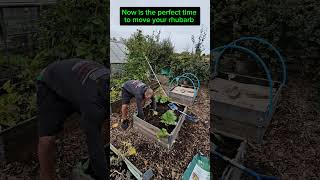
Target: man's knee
[(125, 106), (124, 109)]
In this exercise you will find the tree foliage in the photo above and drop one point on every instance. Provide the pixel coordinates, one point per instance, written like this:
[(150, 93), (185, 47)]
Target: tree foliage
[(74, 28), (147, 47), (18, 101), (160, 53)]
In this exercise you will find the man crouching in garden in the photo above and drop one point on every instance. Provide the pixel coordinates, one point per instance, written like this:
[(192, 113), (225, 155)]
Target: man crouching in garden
[(65, 87), (141, 92)]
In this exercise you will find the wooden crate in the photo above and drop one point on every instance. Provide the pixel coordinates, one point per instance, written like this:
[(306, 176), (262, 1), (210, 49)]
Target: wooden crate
[(151, 131), (25, 135), (183, 95), (247, 115), (19, 143)]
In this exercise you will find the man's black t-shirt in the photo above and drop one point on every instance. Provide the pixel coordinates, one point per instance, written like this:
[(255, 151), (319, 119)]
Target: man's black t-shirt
[(137, 89), (74, 80)]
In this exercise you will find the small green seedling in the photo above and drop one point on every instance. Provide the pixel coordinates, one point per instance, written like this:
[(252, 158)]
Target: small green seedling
[(128, 149), (163, 133), (115, 160), (169, 118)]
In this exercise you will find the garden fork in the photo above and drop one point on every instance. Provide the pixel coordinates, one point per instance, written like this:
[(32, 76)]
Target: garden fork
[(174, 107)]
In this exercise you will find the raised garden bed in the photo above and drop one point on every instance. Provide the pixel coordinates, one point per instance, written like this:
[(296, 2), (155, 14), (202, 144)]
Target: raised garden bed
[(13, 139), (184, 89), (153, 128), (120, 168), (184, 95), (245, 97), (232, 147), (25, 135)]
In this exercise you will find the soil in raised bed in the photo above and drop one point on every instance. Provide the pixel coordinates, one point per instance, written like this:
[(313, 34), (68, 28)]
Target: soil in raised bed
[(227, 147), (161, 109)]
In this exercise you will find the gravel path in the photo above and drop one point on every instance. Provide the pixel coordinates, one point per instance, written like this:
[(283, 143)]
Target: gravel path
[(292, 142)]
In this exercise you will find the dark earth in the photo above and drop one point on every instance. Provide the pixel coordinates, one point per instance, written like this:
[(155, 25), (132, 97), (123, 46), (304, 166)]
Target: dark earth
[(155, 119)]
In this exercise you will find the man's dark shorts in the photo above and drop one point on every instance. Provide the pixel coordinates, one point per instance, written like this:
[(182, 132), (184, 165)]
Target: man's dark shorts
[(52, 110), (126, 96)]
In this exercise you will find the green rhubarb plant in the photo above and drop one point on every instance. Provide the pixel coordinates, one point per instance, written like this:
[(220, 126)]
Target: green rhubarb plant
[(169, 118), (162, 99), (163, 133)]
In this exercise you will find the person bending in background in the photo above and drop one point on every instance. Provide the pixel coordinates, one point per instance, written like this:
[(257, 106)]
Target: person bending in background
[(65, 87), (141, 92)]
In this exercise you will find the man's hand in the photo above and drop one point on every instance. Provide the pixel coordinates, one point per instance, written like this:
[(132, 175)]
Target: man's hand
[(125, 124), (155, 113)]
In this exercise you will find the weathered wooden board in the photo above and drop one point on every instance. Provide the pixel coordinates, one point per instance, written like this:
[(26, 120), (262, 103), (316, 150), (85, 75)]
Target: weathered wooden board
[(25, 136), (251, 96), (183, 91), (19, 142)]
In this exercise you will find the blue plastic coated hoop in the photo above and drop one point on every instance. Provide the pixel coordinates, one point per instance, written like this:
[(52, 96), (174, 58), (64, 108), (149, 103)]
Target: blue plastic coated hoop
[(198, 81), (269, 45), (222, 50), (178, 78)]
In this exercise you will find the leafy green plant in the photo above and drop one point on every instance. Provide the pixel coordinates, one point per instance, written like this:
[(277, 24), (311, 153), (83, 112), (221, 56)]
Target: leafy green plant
[(163, 133), (162, 99), (157, 98), (18, 103), (114, 94), (116, 85), (169, 118), (9, 110)]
